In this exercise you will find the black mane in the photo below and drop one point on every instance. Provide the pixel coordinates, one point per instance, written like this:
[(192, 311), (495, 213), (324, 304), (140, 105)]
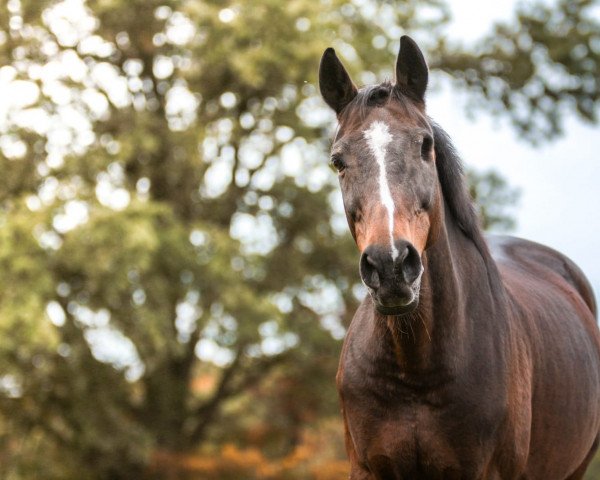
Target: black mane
[(454, 189), (377, 95)]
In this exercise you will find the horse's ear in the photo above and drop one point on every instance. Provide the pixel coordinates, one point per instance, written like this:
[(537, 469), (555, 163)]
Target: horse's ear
[(335, 84), (411, 69)]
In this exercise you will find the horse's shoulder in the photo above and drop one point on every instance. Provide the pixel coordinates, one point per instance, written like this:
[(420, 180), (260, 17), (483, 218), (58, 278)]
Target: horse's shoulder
[(531, 260)]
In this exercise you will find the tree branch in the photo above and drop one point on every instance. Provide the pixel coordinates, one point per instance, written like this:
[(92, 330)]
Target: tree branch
[(208, 412)]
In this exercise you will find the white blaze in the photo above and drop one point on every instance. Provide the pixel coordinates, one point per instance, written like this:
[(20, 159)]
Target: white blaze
[(378, 137)]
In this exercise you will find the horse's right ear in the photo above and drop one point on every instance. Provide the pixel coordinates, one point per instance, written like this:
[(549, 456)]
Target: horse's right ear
[(335, 84)]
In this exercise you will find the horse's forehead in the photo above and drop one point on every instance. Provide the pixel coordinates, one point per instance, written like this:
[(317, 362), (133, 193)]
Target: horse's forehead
[(399, 120), (373, 135), (378, 136)]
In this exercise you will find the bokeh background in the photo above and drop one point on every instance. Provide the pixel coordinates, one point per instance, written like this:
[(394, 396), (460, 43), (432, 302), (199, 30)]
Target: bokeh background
[(176, 274)]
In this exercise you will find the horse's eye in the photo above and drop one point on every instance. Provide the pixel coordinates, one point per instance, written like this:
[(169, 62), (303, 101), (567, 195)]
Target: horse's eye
[(426, 147), (338, 163)]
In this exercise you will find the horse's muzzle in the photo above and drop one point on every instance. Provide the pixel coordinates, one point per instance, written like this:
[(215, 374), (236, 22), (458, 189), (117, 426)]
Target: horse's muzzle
[(393, 278)]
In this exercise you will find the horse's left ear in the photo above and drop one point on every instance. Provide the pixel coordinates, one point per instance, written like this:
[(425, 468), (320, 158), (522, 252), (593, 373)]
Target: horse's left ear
[(412, 73)]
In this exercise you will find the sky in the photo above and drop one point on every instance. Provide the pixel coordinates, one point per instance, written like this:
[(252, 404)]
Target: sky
[(558, 180)]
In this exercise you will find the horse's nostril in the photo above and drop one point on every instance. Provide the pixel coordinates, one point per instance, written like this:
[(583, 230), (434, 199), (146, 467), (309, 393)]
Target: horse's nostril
[(403, 253), (369, 270), (412, 264), (408, 261), (370, 261)]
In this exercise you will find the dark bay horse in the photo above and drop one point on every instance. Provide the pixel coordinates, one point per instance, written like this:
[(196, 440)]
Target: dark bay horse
[(471, 358)]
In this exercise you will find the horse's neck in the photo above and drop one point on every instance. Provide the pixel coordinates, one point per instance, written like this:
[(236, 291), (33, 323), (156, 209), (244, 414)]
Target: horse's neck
[(432, 338)]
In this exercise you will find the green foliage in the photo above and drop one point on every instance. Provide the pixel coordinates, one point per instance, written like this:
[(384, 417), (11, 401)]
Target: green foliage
[(494, 198), (593, 472), (174, 278), (536, 68)]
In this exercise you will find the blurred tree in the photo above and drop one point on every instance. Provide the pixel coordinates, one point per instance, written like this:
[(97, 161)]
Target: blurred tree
[(494, 198), (540, 67), (593, 472), (176, 270)]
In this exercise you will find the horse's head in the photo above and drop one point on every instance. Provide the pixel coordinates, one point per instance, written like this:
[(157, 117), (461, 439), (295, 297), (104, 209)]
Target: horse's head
[(384, 154)]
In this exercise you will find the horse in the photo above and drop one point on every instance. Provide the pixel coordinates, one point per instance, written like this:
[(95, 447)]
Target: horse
[(471, 356)]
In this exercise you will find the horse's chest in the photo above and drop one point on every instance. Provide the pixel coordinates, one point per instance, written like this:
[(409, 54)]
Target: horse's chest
[(399, 433), (405, 443)]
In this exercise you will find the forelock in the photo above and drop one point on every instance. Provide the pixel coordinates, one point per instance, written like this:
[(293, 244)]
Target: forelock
[(380, 95)]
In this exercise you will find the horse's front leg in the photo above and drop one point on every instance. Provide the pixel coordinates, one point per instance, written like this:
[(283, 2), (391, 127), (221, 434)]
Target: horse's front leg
[(357, 471)]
